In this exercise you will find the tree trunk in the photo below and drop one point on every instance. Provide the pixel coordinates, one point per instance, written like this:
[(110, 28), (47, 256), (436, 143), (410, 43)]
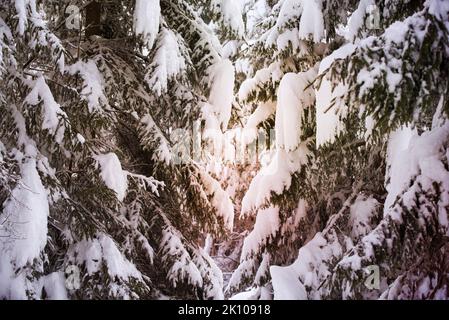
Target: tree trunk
[(93, 19)]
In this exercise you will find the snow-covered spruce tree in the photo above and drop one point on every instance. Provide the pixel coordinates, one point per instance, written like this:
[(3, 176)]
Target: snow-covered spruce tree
[(359, 176), (94, 203)]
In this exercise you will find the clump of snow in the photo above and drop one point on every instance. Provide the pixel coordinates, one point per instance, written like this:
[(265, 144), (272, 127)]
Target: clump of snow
[(262, 113), (312, 22), (439, 9), (220, 199), (182, 266), (286, 284), (167, 63), (293, 98), (361, 213), (357, 19), (24, 217), (54, 286), (112, 174), (266, 226), (99, 251), (231, 11), (52, 112), (329, 107), (93, 85), (290, 10), (308, 271), (397, 167), (341, 53), (221, 95), (270, 74), (146, 20), (250, 294), (276, 177)]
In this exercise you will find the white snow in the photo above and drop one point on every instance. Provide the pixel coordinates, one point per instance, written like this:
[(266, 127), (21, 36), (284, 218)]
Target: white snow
[(312, 22), (54, 286), (146, 20), (341, 53), (397, 170), (22, 13), (262, 113), (439, 9), (266, 226), (231, 11), (275, 177), (24, 216), (220, 199), (308, 271), (167, 63), (221, 96), (357, 19), (163, 151), (329, 107), (112, 174), (52, 112), (286, 284), (293, 98), (101, 250), (410, 155), (182, 266), (93, 84), (270, 74), (361, 213)]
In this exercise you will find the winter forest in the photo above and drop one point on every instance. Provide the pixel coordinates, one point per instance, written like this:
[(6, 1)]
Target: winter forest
[(224, 149)]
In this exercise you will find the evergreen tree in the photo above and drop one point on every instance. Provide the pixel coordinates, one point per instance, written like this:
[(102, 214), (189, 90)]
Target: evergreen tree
[(90, 182), (357, 94)]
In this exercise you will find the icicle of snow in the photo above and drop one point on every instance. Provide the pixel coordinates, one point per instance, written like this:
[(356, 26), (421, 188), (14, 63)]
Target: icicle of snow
[(167, 63), (93, 85), (328, 115), (146, 20), (293, 98), (51, 109), (312, 22), (24, 215), (112, 174), (222, 91)]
